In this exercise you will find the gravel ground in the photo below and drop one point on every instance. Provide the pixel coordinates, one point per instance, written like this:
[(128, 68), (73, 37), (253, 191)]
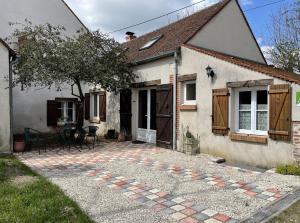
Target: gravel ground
[(101, 203), (227, 202), (105, 205)]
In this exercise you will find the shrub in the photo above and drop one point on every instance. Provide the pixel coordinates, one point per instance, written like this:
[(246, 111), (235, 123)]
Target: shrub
[(288, 170)]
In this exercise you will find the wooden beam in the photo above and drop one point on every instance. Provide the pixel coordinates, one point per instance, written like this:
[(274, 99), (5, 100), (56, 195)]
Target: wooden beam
[(250, 83), (187, 77), (146, 84), (249, 138)]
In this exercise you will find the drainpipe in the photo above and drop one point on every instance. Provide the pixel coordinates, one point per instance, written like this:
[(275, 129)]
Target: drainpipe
[(174, 98), (12, 61)]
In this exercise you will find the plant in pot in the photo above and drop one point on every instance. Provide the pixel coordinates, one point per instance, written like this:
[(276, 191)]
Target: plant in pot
[(19, 143)]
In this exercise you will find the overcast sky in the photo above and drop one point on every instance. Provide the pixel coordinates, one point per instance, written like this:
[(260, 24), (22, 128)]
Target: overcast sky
[(109, 15)]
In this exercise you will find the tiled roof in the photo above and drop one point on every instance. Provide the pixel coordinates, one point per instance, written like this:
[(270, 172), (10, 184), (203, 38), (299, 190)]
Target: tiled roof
[(173, 35), (248, 64)]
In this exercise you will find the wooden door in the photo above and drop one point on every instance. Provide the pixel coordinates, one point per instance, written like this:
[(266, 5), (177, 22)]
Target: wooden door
[(164, 115), (125, 112)]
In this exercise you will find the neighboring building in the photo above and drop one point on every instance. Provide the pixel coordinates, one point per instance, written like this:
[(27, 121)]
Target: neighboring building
[(245, 112), (6, 55), (41, 109)]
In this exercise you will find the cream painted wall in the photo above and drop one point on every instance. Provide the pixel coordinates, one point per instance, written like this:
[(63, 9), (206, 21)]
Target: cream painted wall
[(199, 121), (157, 70), (228, 33), (4, 100)]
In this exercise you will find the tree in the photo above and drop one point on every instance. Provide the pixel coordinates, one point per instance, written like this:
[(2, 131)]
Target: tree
[(285, 37), (50, 59)]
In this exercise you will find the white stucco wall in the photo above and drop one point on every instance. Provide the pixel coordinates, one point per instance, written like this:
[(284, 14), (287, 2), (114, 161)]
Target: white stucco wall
[(228, 33), (156, 70), (38, 12), (4, 100), (200, 122)]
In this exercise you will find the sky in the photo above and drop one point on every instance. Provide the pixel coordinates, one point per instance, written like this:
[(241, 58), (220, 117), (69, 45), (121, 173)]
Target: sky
[(109, 15)]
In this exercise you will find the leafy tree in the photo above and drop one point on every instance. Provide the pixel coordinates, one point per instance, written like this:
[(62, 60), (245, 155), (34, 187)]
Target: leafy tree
[(50, 59), (285, 37)]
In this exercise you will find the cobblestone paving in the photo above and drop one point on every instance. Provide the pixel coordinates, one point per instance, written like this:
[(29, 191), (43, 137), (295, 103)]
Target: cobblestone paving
[(174, 207)]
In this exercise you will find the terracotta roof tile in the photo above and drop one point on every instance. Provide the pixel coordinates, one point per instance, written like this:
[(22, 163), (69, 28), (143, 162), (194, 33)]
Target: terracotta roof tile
[(248, 64), (173, 35)]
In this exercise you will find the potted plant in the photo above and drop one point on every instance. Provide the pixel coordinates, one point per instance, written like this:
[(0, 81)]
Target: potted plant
[(19, 143)]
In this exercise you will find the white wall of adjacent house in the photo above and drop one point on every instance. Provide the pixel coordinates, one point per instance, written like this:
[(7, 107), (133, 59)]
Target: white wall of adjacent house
[(4, 100), (200, 122), (229, 33), (30, 105)]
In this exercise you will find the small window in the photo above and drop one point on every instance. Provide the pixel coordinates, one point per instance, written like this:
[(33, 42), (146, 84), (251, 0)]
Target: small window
[(252, 111), (189, 93), (151, 42), (66, 111)]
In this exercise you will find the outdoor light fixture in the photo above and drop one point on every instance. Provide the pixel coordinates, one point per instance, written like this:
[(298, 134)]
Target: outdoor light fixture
[(210, 72)]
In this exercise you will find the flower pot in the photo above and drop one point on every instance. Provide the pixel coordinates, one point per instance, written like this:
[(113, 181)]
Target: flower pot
[(19, 146)]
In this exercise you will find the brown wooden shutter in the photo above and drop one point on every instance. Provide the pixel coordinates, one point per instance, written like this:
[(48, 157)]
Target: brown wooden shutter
[(280, 112), (220, 111), (87, 106), (102, 106), (52, 113)]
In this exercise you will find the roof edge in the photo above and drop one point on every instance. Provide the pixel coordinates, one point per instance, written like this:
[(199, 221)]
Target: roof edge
[(11, 51), (249, 27), (154, 58), (288, 76), (69, 8), (213, 16)]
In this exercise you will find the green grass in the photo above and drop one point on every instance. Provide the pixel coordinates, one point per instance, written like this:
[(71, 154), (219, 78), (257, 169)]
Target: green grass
[(292, 214), (36, 200), (288, 170)]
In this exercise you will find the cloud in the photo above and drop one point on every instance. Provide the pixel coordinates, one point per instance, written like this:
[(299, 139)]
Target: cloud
[(266, 51), (246, 2)]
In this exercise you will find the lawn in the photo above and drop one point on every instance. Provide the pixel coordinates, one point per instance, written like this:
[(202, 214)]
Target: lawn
[(292, 214), (27, 197)]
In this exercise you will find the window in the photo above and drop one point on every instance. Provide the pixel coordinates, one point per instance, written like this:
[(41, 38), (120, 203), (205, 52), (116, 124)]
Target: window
[(189, 93), (66, 111), (151, 42), (252, 111), (95, 106)]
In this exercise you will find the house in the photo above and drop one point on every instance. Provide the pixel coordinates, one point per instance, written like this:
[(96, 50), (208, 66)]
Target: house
[(6, 57), (241, 108), (41, 109)]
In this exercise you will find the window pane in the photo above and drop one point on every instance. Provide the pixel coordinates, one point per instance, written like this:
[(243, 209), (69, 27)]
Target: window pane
[(191, 92), (60, 110), (70, 111), (245, 110), (245, 100), (262, 111), (95, 105)]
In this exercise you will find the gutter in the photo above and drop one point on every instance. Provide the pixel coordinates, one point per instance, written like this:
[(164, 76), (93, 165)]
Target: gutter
[(176, 58), (150, 59), (12, 61)]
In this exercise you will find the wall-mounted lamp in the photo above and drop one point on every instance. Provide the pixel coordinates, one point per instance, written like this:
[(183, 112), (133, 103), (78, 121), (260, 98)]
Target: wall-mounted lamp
[(210, 72)]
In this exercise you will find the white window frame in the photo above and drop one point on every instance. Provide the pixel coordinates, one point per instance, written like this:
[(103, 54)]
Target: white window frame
[(185, 101), (92, 105), (254, 110), (65, 112)]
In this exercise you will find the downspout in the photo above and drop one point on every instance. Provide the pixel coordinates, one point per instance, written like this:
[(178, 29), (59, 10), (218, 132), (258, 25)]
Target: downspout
[(12, 61), (175, 98)]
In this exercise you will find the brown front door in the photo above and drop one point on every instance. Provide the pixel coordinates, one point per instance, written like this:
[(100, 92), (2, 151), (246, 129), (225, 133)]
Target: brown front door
[(125, 112), (164, 115)]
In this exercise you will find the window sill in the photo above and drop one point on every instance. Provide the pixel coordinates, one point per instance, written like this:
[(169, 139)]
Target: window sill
[(188, 107), (95, 120), (249, 138)]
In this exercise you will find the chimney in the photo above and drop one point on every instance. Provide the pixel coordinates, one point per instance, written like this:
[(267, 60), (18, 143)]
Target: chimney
[(130, 36)]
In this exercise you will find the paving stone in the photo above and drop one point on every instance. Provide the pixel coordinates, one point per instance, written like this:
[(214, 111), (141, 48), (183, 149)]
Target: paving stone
[(188, 211), (199, 208), (189, 220), (178, 207), (178, 200), (168, 211), (209, 212), (178, 216), (221, 217), (200, 216)]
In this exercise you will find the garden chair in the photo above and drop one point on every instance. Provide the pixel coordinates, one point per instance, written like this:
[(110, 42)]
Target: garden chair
[(34, 138), (92, 133), (81, 137), (66, 136)]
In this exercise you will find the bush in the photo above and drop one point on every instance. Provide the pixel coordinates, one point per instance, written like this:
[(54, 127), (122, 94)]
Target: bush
[(288, 170)]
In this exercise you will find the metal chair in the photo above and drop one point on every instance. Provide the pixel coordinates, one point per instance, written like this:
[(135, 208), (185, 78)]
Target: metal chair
[(92, 132)]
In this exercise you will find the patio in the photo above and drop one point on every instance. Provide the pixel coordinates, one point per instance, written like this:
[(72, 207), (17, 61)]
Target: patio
[(124, 182)]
